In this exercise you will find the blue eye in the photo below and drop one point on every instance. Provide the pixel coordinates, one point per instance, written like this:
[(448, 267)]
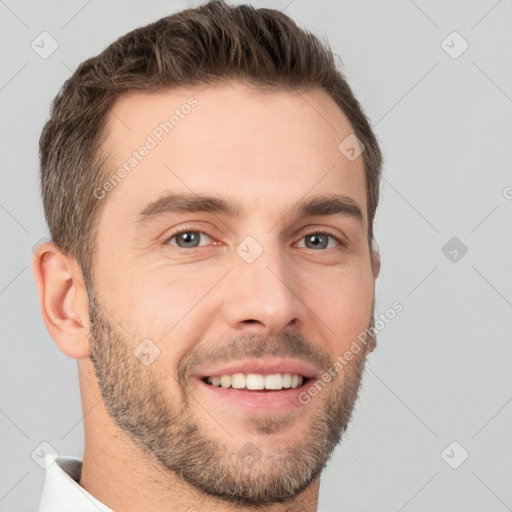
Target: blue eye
[(319, 240), (188, 238), (191, 239)]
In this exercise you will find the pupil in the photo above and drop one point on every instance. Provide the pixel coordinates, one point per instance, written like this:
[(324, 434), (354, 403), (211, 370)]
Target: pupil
[(189, 238), (313, 239)]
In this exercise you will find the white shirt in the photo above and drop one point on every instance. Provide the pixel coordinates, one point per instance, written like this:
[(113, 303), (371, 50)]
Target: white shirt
[(61, 491)]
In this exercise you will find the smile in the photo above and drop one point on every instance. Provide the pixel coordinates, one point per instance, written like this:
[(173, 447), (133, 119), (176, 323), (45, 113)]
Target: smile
[(257, 381)]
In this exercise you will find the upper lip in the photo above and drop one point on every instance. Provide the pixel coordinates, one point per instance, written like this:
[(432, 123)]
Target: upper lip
[(265, 366)]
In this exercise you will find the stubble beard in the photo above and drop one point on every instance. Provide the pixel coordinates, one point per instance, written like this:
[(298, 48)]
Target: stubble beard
[(247, 474)]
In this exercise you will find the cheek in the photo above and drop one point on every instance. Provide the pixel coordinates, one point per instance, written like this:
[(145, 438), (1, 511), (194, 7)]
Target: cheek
[(169, 310), (159, 304), (344, 304)]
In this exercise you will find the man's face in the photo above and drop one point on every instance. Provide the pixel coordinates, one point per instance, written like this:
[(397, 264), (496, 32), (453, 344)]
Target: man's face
[(267, 289)]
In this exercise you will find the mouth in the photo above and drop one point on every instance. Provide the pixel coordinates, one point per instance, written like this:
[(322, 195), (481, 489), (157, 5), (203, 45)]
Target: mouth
[(269, 386), (257, 381)]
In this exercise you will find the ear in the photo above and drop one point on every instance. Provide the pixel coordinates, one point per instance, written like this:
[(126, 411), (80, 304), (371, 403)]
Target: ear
[(375, 260), (63, 299), (375, 257)]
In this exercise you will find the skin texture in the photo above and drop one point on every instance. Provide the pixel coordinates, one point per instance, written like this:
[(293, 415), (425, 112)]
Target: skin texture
[(153, 439)]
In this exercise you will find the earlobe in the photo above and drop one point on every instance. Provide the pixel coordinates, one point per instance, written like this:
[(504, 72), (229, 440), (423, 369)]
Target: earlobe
[(63, 299)]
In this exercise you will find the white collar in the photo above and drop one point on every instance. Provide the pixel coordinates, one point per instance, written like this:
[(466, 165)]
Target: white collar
[(62, 492)]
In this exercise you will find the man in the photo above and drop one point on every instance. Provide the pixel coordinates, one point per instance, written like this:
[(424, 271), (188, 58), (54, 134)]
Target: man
[(210, 184)]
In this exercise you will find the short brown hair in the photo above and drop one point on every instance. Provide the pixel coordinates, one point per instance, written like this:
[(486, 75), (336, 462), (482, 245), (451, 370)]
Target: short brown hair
[(212, 43)]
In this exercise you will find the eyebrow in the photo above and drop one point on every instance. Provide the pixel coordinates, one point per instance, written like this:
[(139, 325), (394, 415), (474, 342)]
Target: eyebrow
[(190, 203)]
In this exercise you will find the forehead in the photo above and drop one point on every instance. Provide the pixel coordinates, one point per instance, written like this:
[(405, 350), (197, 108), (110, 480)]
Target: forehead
[(262, 149)]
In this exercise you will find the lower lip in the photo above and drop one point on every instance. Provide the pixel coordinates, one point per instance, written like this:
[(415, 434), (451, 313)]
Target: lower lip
[(275, 402)]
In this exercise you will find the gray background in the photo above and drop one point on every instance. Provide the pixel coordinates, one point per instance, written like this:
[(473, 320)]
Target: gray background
[(442, 369)]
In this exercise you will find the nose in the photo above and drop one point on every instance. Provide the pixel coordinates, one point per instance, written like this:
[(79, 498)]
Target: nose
[(263, 296)]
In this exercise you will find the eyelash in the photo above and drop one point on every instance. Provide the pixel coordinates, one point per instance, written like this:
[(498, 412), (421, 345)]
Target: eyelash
[(190, 230)]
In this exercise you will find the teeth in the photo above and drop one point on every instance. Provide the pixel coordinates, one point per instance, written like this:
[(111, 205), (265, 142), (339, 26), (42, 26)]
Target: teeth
[(274, 381), (237, 380), (255, 381), (286, 380)]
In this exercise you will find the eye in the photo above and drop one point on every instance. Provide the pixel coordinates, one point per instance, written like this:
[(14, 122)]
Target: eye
[(187, 238), (319, 240)]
